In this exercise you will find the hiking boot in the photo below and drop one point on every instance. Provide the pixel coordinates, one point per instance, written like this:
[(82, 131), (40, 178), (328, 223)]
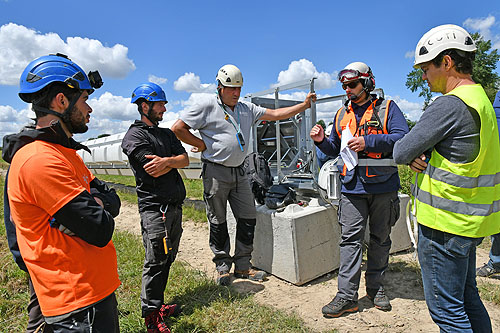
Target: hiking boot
[(251, 274), (169, 310), (338, 306), (486, 271), (379, 298), (155, 324), (224, 279)]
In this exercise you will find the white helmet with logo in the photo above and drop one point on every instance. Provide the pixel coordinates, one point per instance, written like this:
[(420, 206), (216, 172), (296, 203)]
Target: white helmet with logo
[(230, 76), (358, 71), (443, 37)]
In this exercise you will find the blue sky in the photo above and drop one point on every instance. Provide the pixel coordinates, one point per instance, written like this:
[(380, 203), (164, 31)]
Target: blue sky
[(182, 44)]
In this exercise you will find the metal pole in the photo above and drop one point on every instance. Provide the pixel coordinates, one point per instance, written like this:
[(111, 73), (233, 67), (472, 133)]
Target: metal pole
[(278, 136), (310, 144)]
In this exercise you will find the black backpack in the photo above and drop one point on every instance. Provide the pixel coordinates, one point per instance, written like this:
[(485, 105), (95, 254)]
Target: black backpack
[(259, 175)]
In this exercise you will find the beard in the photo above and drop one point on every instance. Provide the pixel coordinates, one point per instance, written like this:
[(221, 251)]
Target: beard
[(76, 120), (155, 118)]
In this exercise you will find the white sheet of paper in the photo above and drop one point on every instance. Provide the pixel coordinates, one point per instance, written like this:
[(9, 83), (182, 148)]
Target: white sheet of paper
[(349, 156)]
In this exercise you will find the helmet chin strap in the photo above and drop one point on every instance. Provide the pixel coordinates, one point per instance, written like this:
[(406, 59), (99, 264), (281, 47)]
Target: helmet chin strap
[(65, 116), (150, 104)]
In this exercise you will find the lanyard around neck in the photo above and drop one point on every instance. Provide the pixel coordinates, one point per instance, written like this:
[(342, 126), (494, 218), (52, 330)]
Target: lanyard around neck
[(228, 117)]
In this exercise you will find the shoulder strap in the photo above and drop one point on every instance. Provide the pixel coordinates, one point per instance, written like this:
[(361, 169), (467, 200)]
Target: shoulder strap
[(380, 111), (338, 118)]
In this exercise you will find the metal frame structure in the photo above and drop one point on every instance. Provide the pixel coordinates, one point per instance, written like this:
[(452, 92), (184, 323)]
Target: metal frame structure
[(296, 173)]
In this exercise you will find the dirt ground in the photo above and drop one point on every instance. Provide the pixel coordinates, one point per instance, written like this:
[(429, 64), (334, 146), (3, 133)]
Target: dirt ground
[(409, 311)]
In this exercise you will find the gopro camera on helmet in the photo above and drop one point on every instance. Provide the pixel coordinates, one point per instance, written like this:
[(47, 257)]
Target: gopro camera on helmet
[(95, 79)]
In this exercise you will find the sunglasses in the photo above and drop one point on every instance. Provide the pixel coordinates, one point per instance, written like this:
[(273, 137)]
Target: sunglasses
[(351, 85)]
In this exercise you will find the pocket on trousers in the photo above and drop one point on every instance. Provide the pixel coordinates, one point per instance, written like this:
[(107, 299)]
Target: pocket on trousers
[(155, 252), (395, 211), (458, 246)]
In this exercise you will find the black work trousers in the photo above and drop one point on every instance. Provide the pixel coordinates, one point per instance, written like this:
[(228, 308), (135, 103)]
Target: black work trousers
[(155, 226)]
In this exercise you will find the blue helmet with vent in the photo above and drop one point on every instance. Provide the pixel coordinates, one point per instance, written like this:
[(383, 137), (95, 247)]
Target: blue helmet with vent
[(151, 92), (52, 68)]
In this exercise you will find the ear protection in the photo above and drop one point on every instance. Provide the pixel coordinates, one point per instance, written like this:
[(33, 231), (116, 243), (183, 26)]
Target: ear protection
[(369, 83)]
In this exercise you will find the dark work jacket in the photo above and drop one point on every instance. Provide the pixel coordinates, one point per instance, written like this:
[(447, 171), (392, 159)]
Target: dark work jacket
[(152, 192)]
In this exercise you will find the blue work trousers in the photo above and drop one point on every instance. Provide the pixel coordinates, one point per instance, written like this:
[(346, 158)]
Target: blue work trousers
[(494, 261)]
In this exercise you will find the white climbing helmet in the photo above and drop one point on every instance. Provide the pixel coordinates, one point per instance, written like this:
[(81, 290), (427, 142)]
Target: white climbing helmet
[(358, 71), (440, 38), (230, 76)]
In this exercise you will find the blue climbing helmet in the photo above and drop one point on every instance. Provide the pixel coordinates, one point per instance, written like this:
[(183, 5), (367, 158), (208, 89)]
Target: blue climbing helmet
[(55, 68), (151, 92)]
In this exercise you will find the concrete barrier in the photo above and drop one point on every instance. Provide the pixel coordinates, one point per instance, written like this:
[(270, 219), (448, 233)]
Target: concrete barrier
[(300, 244)]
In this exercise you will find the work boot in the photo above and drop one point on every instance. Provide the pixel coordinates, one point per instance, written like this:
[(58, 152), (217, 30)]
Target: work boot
[(338, 306), (169, 310), (486, 271), (379, 298), (155, 324), (224, 279), (251, 274)]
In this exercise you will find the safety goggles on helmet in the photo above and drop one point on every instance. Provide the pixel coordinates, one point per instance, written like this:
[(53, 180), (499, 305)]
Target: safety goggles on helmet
[(347, 75)]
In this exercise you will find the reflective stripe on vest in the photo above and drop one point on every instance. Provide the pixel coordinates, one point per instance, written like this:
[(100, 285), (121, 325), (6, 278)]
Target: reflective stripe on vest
[(456, 206), (464, 199), (462, 181)]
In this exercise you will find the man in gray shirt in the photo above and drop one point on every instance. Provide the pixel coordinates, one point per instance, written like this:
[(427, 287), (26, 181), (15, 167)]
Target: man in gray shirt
[(452, 148), (225, 126)]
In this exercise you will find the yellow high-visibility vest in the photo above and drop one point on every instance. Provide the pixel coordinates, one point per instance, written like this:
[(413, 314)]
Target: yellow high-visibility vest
[(464, 199)]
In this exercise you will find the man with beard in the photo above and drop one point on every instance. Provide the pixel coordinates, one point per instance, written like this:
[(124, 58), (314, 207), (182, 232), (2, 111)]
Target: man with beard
[(63, 215), (155, 154), (369, 194)]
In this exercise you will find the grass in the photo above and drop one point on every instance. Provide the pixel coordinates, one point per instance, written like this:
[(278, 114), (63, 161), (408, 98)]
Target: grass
[(194, 187), (405, 176), (14, 293), (125, 180), (207, 307)]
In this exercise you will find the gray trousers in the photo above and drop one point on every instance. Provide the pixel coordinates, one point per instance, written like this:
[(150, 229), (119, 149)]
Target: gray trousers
[(382, 212), (222, 184), (156, 263)]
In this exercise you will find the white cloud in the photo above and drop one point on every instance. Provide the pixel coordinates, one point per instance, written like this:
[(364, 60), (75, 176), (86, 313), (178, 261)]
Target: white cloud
[(412, 110), (196, 99), (191, 83), (110, 107), (304, 69), (483, 26), (20, 45), (156, 79), (12, 120), (409, 54)]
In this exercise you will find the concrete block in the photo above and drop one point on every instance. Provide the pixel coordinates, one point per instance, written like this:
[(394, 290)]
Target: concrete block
[(300, 244)]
